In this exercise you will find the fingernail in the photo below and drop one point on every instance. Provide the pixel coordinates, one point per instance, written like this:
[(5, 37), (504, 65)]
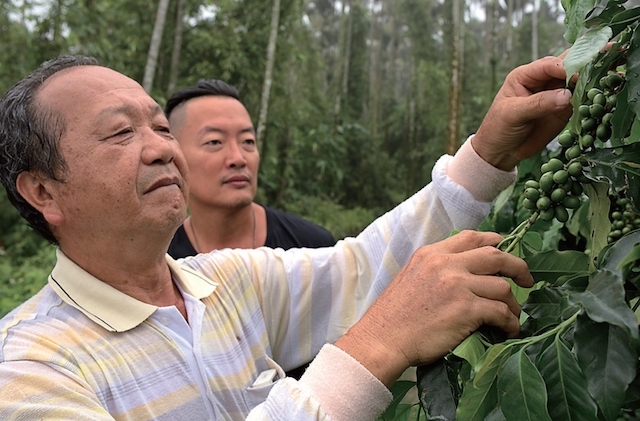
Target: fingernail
[(563, 98)]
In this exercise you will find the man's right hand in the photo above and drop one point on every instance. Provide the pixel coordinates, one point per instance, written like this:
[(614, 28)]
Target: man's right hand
[(446, 291)]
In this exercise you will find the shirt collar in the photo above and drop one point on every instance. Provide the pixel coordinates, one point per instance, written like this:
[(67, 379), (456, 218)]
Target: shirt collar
[(109, 307)]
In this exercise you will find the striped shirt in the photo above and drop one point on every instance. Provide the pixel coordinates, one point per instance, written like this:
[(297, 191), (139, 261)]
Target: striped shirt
[(81, 349)]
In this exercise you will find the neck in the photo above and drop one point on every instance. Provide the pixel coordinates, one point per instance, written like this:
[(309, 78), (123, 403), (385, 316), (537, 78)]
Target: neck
[(145, 277), (216, 229)]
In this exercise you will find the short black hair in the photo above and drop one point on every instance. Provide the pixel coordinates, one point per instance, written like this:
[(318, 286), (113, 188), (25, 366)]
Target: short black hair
[(205, 87), (30, 135)]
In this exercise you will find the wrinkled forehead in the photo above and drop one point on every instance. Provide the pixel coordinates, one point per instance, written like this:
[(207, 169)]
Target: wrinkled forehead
[(80, 88)]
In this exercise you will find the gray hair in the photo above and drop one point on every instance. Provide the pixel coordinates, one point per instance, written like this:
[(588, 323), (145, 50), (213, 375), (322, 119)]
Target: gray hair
[(30, 136)]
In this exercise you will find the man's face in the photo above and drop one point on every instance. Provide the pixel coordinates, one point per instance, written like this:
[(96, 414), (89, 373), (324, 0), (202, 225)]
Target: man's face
[(218, 141), (127, 177)]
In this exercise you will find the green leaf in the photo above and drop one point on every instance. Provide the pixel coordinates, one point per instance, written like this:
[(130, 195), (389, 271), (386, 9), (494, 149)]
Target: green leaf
[(623, 18), (398, 390), (545, 307), (471, 349), (618, 167), (549, 265), (575, 13), (613, 256), (598, 217), (521, 390), (608, 360), (623, 118), (604, 302), (633, 72), (604, 13), (566, 385), (436, 396), (586, 49), (479, 394)]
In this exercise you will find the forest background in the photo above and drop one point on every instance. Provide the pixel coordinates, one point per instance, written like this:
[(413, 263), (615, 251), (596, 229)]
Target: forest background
[(353, 101)]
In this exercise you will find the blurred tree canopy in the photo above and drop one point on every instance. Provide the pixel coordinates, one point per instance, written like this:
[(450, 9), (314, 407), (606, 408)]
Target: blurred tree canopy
[(358, 103)]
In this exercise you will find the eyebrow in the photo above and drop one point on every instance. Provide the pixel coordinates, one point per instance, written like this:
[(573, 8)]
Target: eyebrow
[(214, 129), (128, 109)]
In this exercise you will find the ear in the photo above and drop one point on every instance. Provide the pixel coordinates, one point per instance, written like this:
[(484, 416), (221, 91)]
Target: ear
[(40, 194)]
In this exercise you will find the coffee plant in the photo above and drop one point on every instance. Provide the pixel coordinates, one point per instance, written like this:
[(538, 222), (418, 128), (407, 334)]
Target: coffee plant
[(573, 216)]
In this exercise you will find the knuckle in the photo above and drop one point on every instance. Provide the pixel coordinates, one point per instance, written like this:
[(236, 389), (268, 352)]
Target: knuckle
[(503, 286)]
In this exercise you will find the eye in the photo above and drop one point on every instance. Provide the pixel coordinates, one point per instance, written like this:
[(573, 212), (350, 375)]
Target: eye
[(124, 132)]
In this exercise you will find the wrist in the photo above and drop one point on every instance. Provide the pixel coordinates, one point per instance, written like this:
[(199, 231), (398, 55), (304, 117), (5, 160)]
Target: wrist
[(384, 362)]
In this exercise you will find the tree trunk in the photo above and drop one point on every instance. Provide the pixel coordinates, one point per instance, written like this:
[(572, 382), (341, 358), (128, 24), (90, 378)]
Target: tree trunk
[(154, 47), (509, 46), (177, 48), (453, 130), (342, 88), (534, 31), (268, 72), (375, 68)]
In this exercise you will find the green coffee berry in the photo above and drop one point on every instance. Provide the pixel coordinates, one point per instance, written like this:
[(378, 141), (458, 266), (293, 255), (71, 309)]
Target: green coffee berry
[(547, 214), (606, 119), (575, 169), (597, 110), (614, 80), (593, 92), (603, 132), (546, 181), (558, 195), (543, 203), (588, 124), (555, 164), (566, 139), (586, 141), (573, 152), (600, 99), (531, 183), (560, 176), (561, 214), (532, 194), (571, 202)]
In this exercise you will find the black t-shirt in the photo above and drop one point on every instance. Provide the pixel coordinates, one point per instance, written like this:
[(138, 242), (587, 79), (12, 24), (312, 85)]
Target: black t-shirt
[(284, 230)]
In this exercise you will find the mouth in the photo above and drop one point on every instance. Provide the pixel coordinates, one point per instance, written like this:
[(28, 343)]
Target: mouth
[(239, 180), (164, 182)]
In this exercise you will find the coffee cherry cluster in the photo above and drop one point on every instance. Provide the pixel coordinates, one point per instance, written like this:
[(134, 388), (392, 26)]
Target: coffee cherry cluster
[(595, 114), (558, 190), (623, 219)]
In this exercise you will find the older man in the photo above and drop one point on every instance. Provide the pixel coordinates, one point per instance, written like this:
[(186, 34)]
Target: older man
[(122, 331)]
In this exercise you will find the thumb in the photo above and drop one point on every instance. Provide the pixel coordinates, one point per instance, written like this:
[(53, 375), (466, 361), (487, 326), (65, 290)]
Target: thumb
[(545, 103)]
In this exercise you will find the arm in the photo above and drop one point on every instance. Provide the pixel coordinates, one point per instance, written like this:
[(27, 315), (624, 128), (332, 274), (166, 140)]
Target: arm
[(447, 289), (31, 388)]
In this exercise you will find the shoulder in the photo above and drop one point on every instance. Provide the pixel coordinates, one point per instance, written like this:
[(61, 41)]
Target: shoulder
[(286, 230), (180, 245)]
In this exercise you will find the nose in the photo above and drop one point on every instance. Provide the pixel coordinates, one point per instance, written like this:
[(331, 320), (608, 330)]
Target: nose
[(235, 158), (159, 149)]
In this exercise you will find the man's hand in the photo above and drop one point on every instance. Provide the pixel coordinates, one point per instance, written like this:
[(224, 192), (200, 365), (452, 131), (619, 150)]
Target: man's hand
[(445, 292), (530, 109)]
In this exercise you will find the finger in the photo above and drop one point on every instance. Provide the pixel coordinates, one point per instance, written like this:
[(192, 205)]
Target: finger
[(491, 261), (496, 288), (541, 104), (497, 313), (539, 73), (468, 240)]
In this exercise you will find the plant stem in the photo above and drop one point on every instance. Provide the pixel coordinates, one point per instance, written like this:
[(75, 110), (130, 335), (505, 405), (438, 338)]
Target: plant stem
[(558, 330), (518, 233)]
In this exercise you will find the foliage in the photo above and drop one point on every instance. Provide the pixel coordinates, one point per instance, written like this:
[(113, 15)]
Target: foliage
[(574, 217)]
